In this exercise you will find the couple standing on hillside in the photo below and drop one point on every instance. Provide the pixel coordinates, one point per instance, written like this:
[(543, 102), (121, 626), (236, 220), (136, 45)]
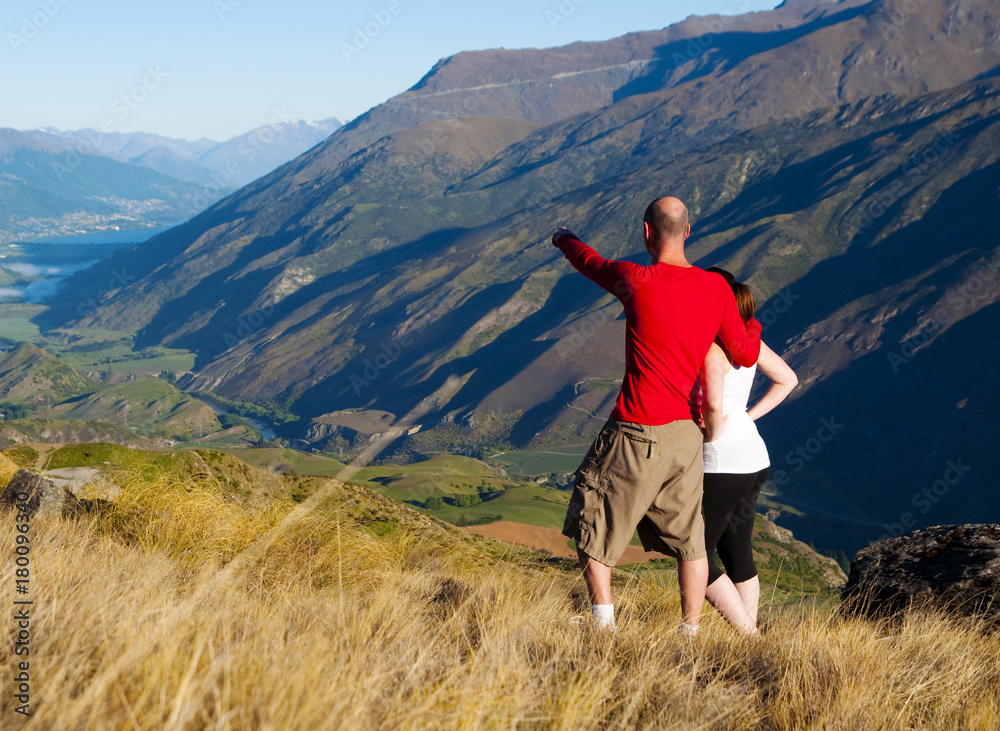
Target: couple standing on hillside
[(651, 465)]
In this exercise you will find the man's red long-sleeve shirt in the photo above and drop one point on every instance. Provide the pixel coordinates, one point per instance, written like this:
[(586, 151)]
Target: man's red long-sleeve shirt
[(673, 314)]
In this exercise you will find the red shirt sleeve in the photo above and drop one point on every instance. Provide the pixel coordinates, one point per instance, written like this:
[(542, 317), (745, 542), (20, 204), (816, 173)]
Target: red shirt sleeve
[(742, 342), (609, 274)]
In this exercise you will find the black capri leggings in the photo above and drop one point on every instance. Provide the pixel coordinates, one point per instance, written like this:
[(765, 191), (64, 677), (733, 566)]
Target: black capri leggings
[(729, 504)]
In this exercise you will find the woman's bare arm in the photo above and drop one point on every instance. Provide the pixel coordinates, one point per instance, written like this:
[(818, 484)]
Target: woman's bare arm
[(783, 381), (713, 375)]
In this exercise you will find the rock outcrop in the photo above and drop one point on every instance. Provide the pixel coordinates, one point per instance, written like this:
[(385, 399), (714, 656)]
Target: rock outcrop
[(951, 567), (41, 496)]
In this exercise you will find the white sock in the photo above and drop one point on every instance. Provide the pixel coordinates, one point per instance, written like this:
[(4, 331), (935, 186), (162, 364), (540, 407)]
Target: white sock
[(603, 614), (687, 630)]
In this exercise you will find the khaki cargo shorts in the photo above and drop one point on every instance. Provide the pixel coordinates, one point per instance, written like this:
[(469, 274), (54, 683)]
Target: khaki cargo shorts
[(642, 476)]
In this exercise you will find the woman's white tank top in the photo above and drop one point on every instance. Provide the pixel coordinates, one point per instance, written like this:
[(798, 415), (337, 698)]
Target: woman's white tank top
[(739, 450)]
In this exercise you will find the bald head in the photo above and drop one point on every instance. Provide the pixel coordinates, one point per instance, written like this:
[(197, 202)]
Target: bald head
[(667, 219)]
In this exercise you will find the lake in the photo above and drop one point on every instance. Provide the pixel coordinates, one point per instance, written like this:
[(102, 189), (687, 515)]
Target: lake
[(49, 262)]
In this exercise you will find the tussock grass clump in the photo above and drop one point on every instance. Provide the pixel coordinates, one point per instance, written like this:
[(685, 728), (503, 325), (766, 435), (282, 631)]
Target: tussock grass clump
[(190, 518), (181, 607), (9, 465)]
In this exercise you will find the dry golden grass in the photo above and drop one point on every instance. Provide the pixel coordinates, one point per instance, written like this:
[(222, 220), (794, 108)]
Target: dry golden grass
[(181, 608), (8, 468)]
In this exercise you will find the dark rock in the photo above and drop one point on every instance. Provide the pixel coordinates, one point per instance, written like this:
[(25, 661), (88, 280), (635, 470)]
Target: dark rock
[(951, 567), (41, 496)]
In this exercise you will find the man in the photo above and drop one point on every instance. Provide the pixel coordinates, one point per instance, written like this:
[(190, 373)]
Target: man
[(645, 467)]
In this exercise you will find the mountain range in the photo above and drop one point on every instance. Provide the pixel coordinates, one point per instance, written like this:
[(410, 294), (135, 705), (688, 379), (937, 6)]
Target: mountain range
[(57, 183), (840, 156), (224, 165), (47, 188)]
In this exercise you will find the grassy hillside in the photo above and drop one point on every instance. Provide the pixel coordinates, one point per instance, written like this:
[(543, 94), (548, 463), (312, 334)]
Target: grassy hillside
[(57, 431), (29, 375), (345, 609), (147, 405), (45, 398), (284, 460)]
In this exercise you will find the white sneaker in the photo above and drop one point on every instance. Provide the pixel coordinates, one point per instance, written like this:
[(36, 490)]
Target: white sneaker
[(687, 630)]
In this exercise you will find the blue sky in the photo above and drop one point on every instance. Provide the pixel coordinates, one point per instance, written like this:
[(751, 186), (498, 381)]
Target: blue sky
[(217, 68)]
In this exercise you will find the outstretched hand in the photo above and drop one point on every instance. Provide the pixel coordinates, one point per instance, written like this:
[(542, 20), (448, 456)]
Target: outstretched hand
[(559, 233)]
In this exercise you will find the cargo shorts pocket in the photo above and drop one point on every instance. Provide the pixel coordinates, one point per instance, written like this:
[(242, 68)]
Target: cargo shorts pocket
[(616, 447), (591, 481), (643, 445), (586, 505), (598, 450)]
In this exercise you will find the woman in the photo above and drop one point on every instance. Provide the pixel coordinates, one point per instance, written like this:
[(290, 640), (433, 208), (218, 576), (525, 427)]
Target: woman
[(736, 466)]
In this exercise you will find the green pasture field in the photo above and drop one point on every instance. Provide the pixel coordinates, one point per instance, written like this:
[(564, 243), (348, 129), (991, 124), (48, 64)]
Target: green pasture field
[(116, 360), (16, 324), (443, 475), (535, 463), (531, 504), (302, 463)]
